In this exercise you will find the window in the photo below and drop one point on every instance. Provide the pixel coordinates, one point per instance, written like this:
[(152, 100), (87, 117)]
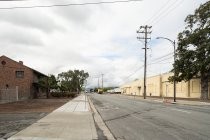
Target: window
[(3, 62), (19, 74)]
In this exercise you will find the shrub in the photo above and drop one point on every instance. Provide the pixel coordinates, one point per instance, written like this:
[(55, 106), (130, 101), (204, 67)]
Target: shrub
[(100, 92), (56, 94), (63, 94)]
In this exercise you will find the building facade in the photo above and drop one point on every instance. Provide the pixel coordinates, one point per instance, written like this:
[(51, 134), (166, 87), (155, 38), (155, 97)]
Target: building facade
[(159, 86), (15, 75)]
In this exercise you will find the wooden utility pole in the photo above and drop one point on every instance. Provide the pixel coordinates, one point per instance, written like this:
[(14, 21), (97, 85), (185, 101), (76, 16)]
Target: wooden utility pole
[(102, 82), (145, 31), (98, 83)]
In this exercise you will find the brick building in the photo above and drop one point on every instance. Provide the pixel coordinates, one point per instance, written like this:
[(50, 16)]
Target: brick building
[(15, 75)]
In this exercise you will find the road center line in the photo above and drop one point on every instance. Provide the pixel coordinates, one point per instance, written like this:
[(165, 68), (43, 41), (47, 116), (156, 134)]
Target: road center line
[(180, 110)]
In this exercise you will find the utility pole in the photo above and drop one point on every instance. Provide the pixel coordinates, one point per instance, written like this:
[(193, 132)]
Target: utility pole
[(145, 30), (102, 82), (98, 82)]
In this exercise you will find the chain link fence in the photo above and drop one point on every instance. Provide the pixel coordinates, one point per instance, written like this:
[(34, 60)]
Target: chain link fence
[(8, 95)]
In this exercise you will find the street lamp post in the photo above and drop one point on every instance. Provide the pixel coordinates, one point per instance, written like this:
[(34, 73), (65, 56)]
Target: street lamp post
[(174, 44)]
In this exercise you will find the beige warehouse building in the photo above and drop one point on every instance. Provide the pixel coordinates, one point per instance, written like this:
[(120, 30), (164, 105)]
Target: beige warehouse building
[(159, 86)]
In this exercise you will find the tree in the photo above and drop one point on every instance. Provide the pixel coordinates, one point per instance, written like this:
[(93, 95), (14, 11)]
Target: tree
[(65, 79), (193, 52), (52, 82), (48, 83), (79, 79), (72, 81)]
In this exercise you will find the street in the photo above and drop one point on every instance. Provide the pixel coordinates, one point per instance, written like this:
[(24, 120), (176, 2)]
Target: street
[(132, 119)]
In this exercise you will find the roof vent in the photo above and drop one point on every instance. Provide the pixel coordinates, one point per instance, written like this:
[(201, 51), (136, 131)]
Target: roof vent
[(21, 62)]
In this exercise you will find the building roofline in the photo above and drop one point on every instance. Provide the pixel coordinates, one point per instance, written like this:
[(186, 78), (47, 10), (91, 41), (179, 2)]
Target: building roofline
[(25, 66)]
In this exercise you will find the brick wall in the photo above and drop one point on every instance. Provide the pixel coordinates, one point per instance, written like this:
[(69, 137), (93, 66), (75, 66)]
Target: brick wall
[(9, 80)]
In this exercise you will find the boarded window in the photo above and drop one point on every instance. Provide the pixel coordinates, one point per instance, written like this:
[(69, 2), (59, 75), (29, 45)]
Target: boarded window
[(19, 74)]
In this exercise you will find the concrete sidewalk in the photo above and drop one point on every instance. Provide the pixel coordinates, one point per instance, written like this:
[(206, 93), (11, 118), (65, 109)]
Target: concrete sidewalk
[(72, 121)]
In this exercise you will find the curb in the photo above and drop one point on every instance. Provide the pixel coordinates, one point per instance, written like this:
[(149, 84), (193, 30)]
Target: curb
[(100, 123), (172, 102)]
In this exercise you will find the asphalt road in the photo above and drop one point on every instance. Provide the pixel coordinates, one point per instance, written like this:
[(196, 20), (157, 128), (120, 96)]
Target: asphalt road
[(130, 119)]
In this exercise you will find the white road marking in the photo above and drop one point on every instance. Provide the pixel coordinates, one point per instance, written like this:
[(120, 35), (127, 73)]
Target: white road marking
[(180, 110)]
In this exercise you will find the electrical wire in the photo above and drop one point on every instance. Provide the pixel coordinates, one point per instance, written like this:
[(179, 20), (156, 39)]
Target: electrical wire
[(163, 59), (166, 13), (155, 59), (163, 11), (69, 4), (148, 65), (157, 12)]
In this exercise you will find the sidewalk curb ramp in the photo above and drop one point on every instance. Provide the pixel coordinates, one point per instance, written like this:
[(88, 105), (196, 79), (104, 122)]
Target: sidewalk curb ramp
[(102, 130)]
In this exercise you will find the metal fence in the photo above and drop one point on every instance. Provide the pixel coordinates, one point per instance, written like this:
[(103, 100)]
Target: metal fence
[(8, 95)]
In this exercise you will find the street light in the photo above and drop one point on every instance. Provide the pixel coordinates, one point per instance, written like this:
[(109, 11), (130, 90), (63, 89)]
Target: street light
[(174, 44)]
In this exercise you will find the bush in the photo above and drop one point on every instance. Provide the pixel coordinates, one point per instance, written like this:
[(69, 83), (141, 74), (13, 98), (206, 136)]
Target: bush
[(56, 94), (63, 94), (100, 92), (71, 95)]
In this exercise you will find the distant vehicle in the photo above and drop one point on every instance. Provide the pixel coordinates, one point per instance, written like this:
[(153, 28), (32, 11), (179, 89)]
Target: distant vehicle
[(100, 91)]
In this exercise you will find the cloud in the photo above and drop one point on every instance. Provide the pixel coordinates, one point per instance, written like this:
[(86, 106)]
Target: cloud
[(30, 18), (101, 39), (14, 35), (75, 14)]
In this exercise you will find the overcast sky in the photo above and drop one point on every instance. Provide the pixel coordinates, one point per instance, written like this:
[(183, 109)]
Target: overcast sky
[(100, 39)]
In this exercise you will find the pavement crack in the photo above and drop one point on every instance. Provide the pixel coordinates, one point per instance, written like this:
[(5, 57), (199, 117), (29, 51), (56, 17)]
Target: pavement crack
[(123, 116)]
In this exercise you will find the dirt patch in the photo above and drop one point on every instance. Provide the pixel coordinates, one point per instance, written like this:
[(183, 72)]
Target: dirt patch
[(34, 105), (18, 115)]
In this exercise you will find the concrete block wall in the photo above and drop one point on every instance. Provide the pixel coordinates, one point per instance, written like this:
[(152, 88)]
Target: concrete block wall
[(160, 86)]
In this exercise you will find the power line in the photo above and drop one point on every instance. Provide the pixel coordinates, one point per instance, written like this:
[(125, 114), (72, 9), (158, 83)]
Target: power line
[(161, 63), (163, 59), (126, 78), (157, 12), (148, 64), (69, 4), (163, 11), (166, 9), (154, 22), (134, 72), (156, 59)]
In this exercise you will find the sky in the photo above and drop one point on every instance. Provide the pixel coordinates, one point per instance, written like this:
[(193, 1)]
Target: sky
[(99, 39)]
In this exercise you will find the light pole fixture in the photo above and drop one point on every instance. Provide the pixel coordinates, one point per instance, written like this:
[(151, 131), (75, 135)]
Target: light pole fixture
[(174, 45)]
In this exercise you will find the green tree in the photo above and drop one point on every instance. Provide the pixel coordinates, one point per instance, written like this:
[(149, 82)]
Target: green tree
[(65, 79), (193, 52), (79, 79), (52, 82), (48, 83), (72, 81)]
